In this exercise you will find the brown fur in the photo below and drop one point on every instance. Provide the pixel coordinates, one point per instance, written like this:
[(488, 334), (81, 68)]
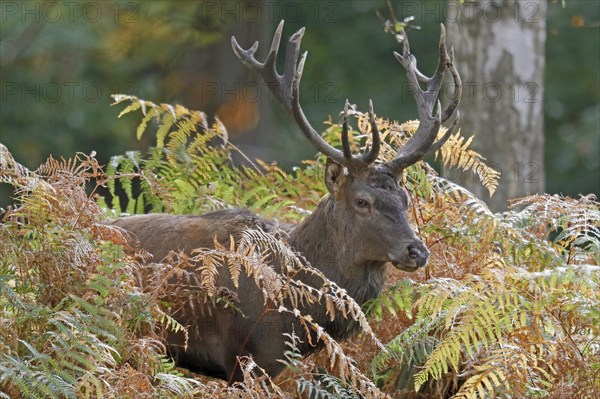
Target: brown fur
[(350, 244)]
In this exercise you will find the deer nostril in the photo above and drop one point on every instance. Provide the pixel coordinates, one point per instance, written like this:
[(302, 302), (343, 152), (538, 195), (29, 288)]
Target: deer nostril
[(417, 252), (413, 253)]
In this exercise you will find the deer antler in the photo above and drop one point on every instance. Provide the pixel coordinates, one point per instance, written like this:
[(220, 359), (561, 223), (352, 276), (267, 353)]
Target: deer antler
[(286, 89), (423, 141)]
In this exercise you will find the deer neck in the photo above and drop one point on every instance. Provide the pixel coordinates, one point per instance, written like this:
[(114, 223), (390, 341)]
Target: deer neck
[(328, 244)]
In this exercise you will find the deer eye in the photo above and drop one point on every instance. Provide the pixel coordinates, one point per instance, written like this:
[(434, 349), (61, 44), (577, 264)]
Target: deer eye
[(361, 203)]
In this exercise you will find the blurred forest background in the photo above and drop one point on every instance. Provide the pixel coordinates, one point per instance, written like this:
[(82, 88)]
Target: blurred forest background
[(61, 61)]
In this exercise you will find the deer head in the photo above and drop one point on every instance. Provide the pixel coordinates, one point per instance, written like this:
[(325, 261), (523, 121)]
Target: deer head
[(367, 202)]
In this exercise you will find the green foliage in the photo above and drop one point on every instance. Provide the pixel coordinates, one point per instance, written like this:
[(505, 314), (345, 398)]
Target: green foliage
[(194, 168), (320, 385), (398, 298), (66, 58), (505, 310), (486, 315), (506, 307), (74, 323)]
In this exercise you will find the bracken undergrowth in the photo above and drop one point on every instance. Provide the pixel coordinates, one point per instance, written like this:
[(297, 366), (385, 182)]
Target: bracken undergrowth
[(507, 306)]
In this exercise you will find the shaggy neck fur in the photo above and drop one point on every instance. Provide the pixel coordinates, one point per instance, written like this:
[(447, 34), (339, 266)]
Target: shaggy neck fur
[(326, 241)]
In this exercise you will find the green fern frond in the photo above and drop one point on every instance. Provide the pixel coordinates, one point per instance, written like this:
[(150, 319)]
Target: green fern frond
[(398, 298)]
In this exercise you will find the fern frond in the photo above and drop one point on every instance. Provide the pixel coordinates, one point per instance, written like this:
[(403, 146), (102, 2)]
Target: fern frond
[(457, 154), (499, 296)]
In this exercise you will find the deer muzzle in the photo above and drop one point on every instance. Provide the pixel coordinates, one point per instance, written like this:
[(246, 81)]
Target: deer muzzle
[(413, 257)]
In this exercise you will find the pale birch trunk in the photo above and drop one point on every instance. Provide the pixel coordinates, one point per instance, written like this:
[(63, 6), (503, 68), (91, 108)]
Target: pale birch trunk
[(499, 47)]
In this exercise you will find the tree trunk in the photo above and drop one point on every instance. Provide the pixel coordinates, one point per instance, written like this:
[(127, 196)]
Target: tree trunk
[(499, 50)]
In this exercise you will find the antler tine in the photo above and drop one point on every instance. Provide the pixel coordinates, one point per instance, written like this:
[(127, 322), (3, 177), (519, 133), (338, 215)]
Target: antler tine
[(423, 141), (345, 141), (405, 54), (453, 104), (372, 154), (286, 89), (246, 56), (293, 49), (272, 57), (435, 82), (451, 130)]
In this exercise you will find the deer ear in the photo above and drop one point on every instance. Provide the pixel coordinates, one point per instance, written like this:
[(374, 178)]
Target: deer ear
[(396, 174), (334, 175)]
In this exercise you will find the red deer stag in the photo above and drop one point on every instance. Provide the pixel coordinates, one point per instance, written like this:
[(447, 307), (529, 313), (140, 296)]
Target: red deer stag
[(361, 226)]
